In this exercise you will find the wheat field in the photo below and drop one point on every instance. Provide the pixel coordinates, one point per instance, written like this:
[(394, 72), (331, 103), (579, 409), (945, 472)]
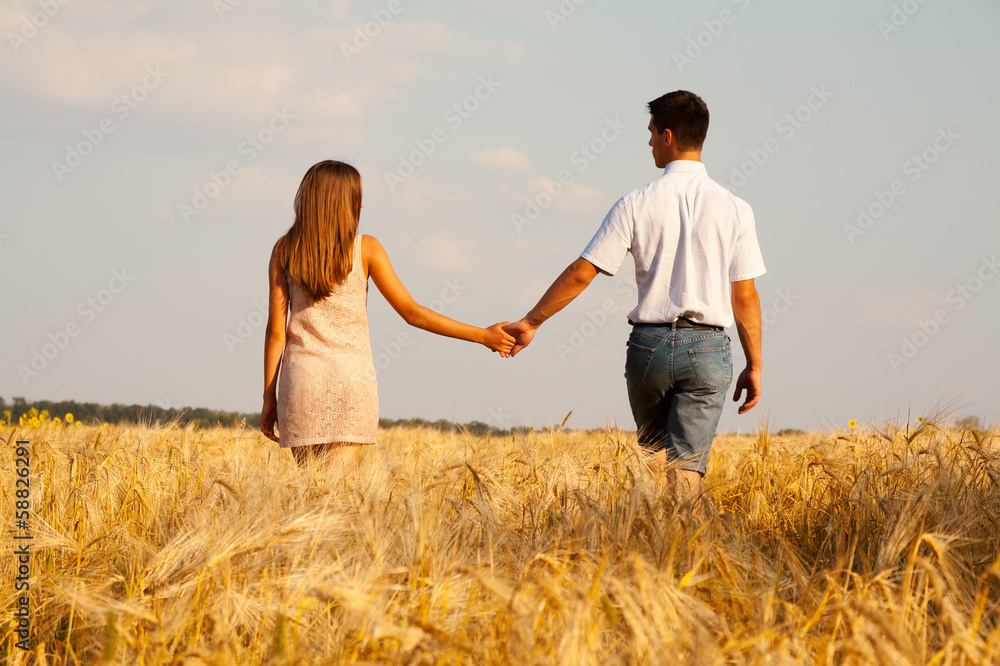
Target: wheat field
[(170, 545)]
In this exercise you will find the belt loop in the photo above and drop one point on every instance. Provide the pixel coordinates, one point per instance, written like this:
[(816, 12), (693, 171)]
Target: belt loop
[(673, 326)]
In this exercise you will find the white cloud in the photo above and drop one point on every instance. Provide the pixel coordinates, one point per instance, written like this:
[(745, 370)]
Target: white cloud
[(437, 38), (106, 12), (419, 194), (572, 197), (237, 69), (503, 157), (328, 10), (90, 70)]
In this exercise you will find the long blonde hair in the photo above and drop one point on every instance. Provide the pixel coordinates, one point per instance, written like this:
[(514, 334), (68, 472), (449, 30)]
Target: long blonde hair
[(317, 250)]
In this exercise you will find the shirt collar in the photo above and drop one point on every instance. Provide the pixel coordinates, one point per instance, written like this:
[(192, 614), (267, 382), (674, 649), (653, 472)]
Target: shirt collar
[(685, 166)]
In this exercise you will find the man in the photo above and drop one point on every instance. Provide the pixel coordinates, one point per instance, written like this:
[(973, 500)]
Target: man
[(696, 255)]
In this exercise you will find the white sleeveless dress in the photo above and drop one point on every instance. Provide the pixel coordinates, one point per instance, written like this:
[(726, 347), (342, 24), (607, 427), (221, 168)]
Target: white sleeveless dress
[(326, 388)]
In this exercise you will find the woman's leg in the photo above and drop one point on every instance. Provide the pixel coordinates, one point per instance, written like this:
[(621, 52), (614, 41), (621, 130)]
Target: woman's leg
[(340, 455)]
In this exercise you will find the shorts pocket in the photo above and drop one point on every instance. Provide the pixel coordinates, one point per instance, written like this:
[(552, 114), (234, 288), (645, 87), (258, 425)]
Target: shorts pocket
[(713, 366), (637, 360)]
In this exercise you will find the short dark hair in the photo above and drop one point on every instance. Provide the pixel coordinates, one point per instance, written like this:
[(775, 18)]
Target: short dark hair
[(683, 113)]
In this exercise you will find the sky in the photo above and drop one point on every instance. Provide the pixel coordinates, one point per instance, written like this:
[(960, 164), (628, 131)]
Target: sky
[(152, 151)]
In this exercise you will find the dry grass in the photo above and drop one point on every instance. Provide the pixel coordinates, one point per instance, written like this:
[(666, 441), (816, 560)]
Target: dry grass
[(165, 545)]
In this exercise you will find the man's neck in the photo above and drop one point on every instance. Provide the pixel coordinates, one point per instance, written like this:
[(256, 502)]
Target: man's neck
[(691, 155)]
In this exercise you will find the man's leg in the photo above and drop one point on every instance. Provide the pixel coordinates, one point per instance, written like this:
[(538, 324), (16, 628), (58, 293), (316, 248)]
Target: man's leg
[(703, 372), (648, 377)]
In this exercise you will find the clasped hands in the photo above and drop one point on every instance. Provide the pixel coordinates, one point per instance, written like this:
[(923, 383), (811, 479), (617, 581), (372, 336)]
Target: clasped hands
[(507, 338)]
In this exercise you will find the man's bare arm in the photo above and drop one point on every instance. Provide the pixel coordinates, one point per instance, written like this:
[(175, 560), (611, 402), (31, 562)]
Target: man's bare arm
[(746, 308), (566, 287)]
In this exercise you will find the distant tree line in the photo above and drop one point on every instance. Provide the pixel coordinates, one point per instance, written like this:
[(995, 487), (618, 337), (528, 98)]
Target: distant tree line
[(477, 428), (92, 413)]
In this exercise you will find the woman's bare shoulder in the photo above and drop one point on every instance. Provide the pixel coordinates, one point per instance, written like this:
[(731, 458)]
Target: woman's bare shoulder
[(370, 246), (274, 267), (276, 247)]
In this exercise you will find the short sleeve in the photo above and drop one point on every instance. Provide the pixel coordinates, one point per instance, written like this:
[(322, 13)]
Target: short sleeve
[(608, 247), (747, 261)]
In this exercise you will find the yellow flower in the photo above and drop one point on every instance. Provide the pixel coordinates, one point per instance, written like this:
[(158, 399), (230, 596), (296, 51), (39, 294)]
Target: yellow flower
[(77, 424), (920, 419), (838, 429), (105, 425), (56, 421), (69, 417), (852, 424)]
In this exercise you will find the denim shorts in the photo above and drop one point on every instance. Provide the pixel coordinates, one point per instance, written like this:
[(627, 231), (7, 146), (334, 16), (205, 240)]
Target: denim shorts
[(677, 381)]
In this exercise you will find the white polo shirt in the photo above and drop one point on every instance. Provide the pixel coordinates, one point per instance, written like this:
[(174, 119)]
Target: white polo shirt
[(690, 237)]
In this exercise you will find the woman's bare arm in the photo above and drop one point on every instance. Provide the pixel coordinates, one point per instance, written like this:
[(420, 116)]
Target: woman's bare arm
[(378, 267), (274, 342)]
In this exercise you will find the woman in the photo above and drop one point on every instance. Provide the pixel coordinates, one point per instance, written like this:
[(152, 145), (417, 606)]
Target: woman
[(326, 399)]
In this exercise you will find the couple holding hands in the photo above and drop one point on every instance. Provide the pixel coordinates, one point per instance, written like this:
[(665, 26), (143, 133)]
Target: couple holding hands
[(696, 255)]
